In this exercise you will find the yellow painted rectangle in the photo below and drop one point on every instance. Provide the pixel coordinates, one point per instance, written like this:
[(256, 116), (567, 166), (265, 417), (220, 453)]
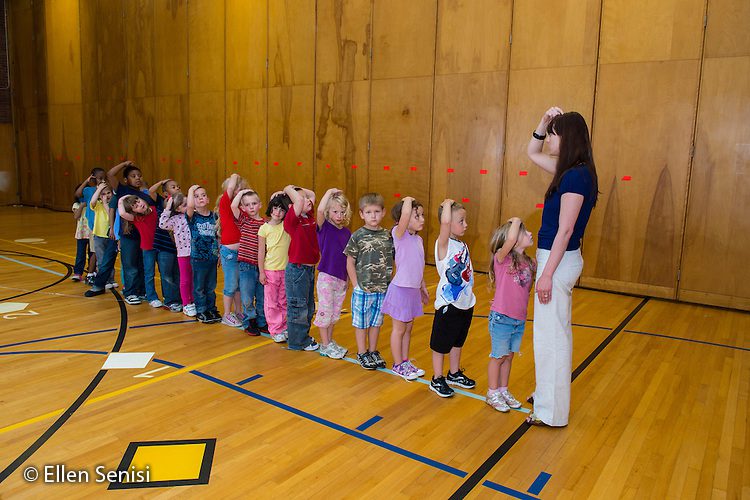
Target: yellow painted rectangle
[(170, 462)]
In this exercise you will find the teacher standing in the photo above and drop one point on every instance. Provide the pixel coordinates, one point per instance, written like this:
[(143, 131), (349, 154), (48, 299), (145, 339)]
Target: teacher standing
[(568, 202)]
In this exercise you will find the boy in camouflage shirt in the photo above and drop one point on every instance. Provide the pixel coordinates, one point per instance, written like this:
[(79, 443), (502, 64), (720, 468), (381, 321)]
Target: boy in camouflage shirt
[(369, 263)]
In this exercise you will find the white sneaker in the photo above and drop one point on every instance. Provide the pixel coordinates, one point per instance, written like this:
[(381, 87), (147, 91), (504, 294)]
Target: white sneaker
[(175, 308), (420, 372), (110, 285), (189, 310), (337, 350), (510, 400), (278, 337), (497, 402), (133, 300), (231, 320), (156, 303), (312, 347)]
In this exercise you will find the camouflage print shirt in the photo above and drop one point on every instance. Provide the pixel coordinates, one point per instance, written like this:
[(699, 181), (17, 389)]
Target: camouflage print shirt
[(373, 252)]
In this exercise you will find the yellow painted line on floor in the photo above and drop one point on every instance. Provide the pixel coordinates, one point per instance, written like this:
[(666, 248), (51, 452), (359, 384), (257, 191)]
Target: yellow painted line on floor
[(139, 385)]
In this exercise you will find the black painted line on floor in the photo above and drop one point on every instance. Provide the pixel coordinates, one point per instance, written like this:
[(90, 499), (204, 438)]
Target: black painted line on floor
[(476, 477), (76, 404), (704, 342), (67, 275)]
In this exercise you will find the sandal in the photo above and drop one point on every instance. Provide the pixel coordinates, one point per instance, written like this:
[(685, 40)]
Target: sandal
[(533, 420)]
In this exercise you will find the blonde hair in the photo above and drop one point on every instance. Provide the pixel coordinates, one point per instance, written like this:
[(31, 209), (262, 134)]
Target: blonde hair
[(341, 199), (455, 207), (498, 239), (241, 184)]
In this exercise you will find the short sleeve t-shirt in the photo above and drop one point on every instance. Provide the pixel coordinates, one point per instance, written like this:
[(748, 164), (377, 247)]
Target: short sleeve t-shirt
[(146, 225), (101, 219), (577, 180), (409, 260), (373, 252), (249, 227), (122, 191), (230, 233), (204, 245), (303, 248), (277, 246), (332, 241), (456, 285), (512, 287)]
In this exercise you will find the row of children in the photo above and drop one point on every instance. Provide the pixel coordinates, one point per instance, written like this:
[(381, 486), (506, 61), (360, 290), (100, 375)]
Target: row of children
[(271, 265)]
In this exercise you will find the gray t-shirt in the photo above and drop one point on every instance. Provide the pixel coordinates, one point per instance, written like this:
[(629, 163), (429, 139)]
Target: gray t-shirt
[(373, 252)]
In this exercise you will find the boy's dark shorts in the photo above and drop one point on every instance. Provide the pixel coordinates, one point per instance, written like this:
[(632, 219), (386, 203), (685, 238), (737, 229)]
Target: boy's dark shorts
[(450, 328)]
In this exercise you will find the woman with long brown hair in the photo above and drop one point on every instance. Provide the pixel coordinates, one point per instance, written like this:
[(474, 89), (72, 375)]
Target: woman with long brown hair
[(570, 197)]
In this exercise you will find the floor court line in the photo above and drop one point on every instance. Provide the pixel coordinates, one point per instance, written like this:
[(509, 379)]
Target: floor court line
[(309, 416), (685, 339), (31, 265)]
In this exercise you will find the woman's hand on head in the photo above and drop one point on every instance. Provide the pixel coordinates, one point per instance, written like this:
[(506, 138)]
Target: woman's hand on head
[(550, 114)]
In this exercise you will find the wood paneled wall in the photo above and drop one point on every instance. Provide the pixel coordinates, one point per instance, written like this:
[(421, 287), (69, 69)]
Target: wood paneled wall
[(429, 98)]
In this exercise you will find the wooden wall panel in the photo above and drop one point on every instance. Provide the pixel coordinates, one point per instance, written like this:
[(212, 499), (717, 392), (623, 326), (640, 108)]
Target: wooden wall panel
[(473, 36), (403, 38), (87, 13), (726, 32), (171, 137), (633, 240), (342, 130), (112, 59), (531, 92), (291, 43), (717, 233), (554, 33), (206, 46), (170, 47), (246, 137), (140, 127), (8, 177), (139, 44), (246, 44), (63, 52), (651, 30), (467, 150), (400, 131), (65, 138), (290, 136), (207, 122), (344, 40)]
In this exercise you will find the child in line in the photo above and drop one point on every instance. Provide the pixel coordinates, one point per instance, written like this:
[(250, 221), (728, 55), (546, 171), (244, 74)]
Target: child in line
[(82, 235), (131, 255), (204, 254), (454, 301), (304, 253), (512, 274), (99, 204), (334, 214), (135, 210), (229, 235), (245, 208), (164, 251), (173, 219), (85, 191), (273, 257), (407, 292), (369, 262)]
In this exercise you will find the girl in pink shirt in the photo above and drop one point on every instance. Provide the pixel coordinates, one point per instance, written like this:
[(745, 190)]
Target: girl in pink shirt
[(512, 273), (173, 219)]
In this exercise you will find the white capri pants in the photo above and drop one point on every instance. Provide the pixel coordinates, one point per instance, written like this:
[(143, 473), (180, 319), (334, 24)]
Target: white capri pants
[(553, 340)]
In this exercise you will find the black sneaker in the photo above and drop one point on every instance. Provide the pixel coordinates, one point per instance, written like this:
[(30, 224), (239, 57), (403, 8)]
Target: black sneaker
[(378, 359), (203, 317), (252, 328), (461, 380), (262, 329), (366, 361), (94, 293), (214, 315), (440, 387)]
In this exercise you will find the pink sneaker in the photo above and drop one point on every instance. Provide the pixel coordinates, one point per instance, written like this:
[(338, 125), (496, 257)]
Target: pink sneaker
[(231, 320)]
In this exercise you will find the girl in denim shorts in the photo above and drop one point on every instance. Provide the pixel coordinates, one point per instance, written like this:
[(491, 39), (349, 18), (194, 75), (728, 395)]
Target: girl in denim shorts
[(512, 273)]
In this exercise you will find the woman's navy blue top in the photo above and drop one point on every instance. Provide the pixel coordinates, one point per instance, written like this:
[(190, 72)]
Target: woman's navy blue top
[(576, 180)]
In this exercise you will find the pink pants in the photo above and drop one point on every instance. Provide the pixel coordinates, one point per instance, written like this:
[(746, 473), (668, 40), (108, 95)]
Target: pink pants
[(186, 280), (274, 303)]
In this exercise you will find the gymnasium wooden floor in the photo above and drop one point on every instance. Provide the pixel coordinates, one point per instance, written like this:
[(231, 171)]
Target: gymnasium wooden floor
[(659, 408)]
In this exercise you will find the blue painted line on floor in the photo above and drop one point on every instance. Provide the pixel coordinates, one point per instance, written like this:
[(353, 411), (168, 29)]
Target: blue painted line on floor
[(58, 351), (508, 491), (704, 342), (249, 379), (168, 363), (334, 426), (32, 265), (539, 483), (374, 420)]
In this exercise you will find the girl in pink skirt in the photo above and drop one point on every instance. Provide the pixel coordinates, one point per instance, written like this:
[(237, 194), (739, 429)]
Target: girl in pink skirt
[(407, 292)]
